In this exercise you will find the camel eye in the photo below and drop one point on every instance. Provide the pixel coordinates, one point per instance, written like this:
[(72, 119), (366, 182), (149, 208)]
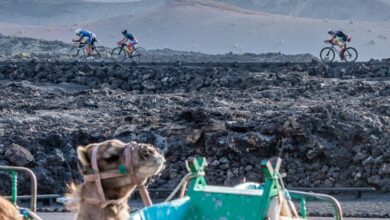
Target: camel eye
[(145, 154), (150, 151), (112, 158)]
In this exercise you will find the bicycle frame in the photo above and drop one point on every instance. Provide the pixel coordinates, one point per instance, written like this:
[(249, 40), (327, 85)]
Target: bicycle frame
[(124, 47), (336, 47), (82, 45)]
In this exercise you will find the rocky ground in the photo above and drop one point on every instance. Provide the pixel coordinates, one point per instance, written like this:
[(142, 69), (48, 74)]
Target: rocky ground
[(330, 124)]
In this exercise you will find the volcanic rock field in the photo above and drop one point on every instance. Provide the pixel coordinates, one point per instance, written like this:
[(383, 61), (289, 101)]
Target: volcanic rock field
[(329, 123)]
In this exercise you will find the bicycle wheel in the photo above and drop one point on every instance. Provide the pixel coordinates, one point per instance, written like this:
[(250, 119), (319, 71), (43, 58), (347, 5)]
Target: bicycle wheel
[(327, 54), (77, 53), (118, 54), (351, 54), (140, 54)]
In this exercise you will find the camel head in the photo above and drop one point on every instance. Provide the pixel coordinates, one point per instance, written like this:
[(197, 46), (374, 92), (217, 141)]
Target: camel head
[(145, 160)]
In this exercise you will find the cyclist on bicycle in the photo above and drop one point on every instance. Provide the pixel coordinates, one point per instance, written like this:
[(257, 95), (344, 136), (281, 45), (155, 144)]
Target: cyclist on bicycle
[(90, 39), (340, 39), (132, 41)]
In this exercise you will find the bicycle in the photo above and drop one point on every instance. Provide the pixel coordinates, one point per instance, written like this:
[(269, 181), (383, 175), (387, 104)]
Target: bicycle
[(120, 53), (328, 54), (79, 53)]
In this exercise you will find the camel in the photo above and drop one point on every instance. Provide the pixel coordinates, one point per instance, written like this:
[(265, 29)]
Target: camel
[(112, 171), (8, 211)]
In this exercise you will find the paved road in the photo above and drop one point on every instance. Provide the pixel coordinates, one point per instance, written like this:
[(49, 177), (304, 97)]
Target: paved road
[(56, 216), (70, 216)]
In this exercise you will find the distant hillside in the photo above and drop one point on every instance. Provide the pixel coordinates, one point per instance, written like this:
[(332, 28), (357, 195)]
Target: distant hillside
[(372, 10), (10, 46), (57, 12)]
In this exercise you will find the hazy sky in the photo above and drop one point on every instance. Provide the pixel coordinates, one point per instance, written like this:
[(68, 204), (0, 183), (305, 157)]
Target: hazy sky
[(113, 0)]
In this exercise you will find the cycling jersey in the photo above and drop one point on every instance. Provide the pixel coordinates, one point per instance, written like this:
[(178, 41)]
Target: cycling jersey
[(340, 36), (87, 34), (131, 38)]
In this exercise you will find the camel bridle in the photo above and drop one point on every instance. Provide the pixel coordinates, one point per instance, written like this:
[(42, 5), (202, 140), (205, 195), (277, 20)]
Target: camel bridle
[(126, 169)]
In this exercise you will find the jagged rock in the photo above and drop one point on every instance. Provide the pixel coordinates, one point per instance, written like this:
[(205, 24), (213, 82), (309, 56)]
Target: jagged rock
[(374, 180), (240, 126), (247, 142), (368, 160), (385, 169), (385, 184), (317, 150), (18, 155), (194, 136), (148, 84)]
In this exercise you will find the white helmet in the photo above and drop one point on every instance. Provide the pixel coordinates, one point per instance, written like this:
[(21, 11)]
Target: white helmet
[(78, 30)]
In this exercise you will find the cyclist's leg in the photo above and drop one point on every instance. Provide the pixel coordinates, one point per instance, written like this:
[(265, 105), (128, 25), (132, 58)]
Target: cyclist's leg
[(341, 44), (90, 42), (130, 46), (343, 48), (93, 43), (334, 41)]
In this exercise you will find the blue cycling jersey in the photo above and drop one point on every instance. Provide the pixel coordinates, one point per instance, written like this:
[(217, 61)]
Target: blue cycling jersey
[(91, 37), (87, 34)]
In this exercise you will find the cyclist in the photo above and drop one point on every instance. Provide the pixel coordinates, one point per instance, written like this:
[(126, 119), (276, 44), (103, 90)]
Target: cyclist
[(132, 41), (340, 39), (90, 39)]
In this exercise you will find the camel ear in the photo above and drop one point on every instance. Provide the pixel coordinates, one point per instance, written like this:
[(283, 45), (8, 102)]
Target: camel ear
[(83, 156)]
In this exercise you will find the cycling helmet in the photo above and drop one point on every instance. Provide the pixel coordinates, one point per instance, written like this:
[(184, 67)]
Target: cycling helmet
[(78, 30), (124, 32)]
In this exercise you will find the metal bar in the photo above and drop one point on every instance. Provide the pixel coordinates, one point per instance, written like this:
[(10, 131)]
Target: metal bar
[(33, 183), (27, 197), (33, 215), (357, 190), (340, 189), (14, 187), (303, 208), (302, 189), (346, 189), (321, 197), (278, 164)]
